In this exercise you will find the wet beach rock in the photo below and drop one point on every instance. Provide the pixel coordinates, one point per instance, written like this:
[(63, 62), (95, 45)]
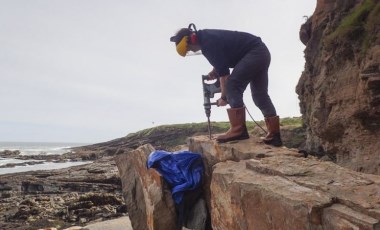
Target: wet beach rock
[(61, 198), (30, 159), (9, 153)]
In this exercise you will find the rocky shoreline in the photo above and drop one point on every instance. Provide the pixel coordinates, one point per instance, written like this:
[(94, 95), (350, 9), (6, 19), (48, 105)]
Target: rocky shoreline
[(40, 158), (61, 198), (89, 193)]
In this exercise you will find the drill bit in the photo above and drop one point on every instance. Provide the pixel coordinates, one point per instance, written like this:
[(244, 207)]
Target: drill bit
[(209, 127)]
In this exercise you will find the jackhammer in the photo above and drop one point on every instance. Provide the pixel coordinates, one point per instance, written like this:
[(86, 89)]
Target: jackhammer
[(208, 92)]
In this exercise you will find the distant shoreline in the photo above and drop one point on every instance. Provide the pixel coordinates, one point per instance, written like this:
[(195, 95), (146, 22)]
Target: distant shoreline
[(16, 157), (42, 166)]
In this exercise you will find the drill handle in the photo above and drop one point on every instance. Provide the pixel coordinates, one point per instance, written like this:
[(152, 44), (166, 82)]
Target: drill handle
[(210, 103), (210, 89)]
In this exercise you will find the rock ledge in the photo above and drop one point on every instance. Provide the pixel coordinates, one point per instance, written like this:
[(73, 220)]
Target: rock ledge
[(249, 185)]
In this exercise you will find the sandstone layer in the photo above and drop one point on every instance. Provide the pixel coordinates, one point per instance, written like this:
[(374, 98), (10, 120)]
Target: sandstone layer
[(249, 185), (148, 201)]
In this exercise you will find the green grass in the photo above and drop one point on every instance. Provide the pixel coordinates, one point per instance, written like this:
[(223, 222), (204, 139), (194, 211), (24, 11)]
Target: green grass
[(359, 26), (292, 121), (373, 22), (171, 137)]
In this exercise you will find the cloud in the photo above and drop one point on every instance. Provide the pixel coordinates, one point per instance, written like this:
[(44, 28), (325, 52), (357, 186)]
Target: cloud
[(90, 71)]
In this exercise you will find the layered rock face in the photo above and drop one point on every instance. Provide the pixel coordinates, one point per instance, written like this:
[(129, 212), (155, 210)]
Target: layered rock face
[(339, 90), (249, 185), (148, 201)]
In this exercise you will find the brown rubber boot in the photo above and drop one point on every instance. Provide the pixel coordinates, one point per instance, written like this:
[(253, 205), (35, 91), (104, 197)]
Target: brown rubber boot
[(238, 129), (273, 137)]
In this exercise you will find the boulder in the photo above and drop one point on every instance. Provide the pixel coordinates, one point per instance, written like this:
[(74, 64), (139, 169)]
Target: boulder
[(148, 200), (255, 186)]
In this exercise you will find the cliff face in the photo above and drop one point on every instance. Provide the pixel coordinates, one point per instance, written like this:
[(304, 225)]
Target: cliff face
[(339, 90)]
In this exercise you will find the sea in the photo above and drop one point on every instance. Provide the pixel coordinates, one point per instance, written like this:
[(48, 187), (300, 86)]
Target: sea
[(37, 148)]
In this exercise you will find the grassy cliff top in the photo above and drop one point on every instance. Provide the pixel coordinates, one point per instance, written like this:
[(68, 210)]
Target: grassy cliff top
[(169, 137)]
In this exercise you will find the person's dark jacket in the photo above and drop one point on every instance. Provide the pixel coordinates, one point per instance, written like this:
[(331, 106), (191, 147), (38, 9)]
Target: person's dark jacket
[(224, 48)]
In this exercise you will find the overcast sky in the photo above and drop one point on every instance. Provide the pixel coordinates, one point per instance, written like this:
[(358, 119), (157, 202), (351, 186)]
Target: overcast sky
[(92, 71)]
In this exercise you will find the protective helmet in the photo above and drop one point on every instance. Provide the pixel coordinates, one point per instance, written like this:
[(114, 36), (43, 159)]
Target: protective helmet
[(181, 39)]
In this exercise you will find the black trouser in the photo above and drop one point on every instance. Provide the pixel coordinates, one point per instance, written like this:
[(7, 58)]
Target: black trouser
[(252, 69)]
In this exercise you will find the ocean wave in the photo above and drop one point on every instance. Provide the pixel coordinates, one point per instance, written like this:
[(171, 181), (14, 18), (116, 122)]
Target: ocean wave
[(37, 148), (44, 166)]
